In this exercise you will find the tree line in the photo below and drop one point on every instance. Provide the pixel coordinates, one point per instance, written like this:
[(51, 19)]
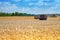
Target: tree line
[(15, 14)]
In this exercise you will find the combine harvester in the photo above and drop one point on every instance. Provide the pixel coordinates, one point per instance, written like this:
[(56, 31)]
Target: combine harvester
[(41, 17)]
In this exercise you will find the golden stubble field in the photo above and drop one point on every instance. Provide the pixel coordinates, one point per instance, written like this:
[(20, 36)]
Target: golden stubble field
[(28, 28)]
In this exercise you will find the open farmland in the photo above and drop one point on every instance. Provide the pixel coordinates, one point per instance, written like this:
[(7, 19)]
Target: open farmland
[(28, 28)]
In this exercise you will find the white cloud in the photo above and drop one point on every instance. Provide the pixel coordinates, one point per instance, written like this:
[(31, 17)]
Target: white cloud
[(6, 3), (31, 4), (40, 3), (58, 1), (57, 5), (17, 0), (8, 7), (27, 0), (0, 2)]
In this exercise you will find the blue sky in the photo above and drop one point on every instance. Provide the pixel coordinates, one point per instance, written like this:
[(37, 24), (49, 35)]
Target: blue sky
[(30, 6)]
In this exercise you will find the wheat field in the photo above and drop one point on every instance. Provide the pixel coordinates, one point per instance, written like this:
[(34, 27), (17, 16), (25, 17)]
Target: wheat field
[(28, 28)]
